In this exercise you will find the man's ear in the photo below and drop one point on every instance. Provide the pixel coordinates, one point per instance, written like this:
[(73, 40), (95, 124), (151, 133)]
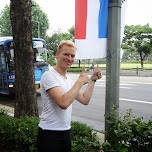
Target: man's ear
[(57, 54)]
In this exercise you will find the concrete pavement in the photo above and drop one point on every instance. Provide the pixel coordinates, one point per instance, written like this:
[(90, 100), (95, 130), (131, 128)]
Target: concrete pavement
[(145, 73)]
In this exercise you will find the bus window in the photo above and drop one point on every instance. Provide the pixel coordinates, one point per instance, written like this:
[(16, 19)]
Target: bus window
[(40, 59), (9, 54), (1, 49)]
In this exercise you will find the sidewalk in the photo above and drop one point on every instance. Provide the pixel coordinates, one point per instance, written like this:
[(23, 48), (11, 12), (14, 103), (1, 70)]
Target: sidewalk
[(145, 73), (10, 110)]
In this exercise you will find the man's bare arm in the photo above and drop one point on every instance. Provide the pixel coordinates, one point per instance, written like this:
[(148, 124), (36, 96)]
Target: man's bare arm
[(64, 100)]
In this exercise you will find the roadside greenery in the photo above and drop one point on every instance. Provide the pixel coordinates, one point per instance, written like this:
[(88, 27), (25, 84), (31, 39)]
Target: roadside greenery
[(132, 65), (19, 135), (37, 16), (138, 40), (54, 40), (128, 134)]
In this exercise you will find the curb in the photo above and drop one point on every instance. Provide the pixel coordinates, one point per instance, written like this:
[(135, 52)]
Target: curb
[(10, 110), (127, 73)]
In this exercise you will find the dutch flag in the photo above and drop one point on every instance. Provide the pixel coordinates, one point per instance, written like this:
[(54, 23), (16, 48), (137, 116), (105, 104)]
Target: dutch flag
[(91, 28)]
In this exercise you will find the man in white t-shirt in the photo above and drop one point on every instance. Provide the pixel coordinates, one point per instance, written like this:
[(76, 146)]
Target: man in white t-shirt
[(58, 91)]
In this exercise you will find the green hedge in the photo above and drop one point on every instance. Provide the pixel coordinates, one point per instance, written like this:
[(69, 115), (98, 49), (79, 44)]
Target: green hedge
[(73, 69), (128, 134), (19, 135)]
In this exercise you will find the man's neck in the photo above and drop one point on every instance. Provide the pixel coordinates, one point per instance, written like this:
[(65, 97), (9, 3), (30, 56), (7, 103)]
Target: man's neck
[(61, 71)]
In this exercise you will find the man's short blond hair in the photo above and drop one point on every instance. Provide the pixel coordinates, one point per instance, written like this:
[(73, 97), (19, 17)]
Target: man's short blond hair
[(66, 43)]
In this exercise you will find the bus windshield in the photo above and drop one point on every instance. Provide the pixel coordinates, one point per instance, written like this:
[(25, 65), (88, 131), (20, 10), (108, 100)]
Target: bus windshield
[(40, 55)]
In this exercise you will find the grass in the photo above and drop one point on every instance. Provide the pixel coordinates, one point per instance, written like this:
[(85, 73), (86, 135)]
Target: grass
[(135, 65), (123, 65)]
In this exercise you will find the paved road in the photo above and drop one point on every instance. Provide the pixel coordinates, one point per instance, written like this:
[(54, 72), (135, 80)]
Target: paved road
[(135, 94)]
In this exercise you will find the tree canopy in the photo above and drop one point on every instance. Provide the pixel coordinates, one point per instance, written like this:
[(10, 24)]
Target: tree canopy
[(54, 40), (138, 38), (5, 23), (37, 16)]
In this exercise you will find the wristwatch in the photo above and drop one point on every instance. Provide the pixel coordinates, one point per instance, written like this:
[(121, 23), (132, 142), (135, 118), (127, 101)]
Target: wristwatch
[(92, 79)]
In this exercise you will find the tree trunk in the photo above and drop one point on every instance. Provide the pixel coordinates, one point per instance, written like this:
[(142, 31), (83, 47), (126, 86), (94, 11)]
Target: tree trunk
[(25, 93), (142, 60), (79, 63)]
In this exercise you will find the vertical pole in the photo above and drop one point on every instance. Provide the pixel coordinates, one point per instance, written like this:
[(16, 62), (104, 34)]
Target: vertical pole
[(38, 29), (79, 63), (113, 60), (137, 70)]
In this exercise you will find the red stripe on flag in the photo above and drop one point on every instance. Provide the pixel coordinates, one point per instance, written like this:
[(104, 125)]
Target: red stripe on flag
[(80, 19)]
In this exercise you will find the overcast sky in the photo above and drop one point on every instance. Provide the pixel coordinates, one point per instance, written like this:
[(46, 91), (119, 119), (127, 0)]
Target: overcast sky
[(61, 13)]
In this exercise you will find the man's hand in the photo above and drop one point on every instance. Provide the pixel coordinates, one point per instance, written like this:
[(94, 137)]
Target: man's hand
[(96, 74), (83, 78)]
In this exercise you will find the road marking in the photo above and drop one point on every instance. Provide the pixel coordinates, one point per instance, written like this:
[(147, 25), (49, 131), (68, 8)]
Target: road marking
[(101, 85), (121, 84), (127, 82), (125, 87), (139, 101), (100, 80), (136, 82)]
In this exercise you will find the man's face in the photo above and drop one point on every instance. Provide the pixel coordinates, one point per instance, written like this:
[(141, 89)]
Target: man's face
[(66, 57)]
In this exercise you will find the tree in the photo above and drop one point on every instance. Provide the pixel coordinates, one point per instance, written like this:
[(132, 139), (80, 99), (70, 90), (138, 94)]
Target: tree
[(137, 38), (37, 16), (41, 17), (5, 24), (144, 50), (54, 40), (25, 93)]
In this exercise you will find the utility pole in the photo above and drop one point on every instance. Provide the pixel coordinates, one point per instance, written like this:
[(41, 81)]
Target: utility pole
[(38, 29), (113, 60), (38, 26)]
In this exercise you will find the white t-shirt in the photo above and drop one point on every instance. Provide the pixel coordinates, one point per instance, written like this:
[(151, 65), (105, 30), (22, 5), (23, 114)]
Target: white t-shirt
[(53, 117)]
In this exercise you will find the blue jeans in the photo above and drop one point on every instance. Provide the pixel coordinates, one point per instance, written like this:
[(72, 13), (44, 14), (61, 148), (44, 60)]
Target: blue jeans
[(53, 141)]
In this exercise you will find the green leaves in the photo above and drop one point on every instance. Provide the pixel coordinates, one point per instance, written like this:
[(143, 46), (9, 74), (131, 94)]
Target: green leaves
[(129, 134), (137, 39), (83, 138), (37, 15), (20, 135), (5, 23), (54, 40)]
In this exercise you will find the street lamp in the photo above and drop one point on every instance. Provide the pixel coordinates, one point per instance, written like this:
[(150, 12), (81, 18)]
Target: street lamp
[(38, 31)]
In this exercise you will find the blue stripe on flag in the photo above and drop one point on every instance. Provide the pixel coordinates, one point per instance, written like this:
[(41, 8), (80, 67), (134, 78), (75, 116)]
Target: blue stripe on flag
[(103, 18)]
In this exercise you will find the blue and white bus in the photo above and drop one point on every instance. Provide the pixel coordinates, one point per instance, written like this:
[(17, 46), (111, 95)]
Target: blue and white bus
[(7, 64)]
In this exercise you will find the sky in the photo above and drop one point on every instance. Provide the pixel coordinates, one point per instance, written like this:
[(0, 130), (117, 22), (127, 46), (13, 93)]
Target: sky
[(61, 13)]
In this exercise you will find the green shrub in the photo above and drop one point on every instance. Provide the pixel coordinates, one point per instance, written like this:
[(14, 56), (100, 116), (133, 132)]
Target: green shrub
[(74, 70), (129, 134), (19, 135), (83, 138)]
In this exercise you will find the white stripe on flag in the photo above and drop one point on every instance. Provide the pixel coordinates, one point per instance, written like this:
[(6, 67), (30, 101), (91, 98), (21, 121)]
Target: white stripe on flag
[(92, 47)]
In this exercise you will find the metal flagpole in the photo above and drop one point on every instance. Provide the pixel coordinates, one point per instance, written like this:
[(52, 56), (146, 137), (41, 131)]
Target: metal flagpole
[(113, 60)]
